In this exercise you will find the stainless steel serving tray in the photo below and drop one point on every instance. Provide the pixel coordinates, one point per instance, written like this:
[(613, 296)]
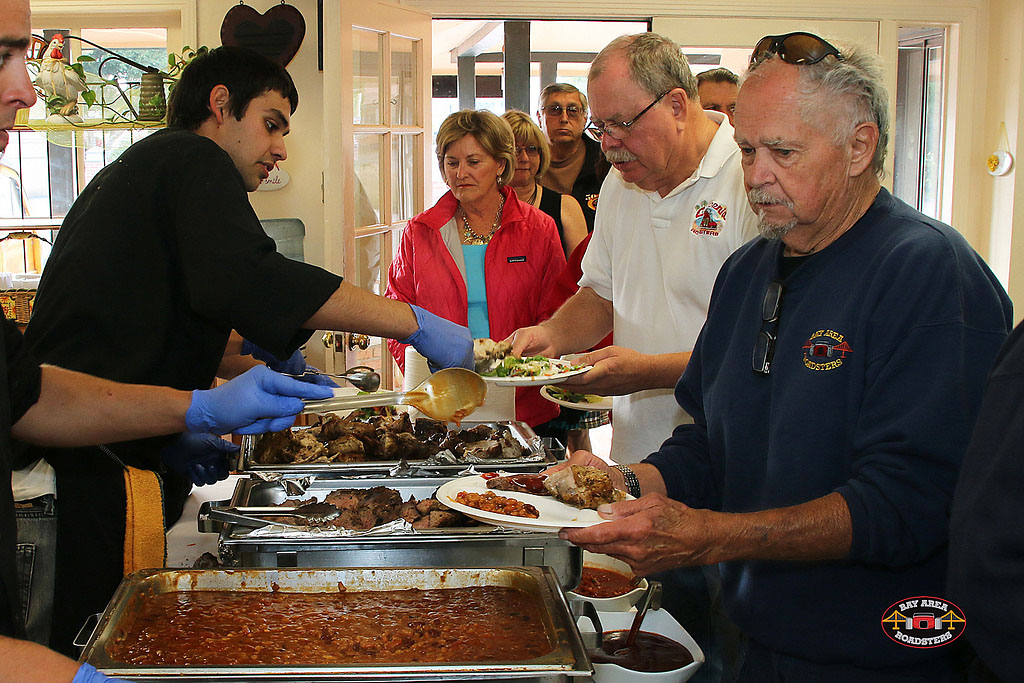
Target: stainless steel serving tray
[(538, 456), (476, 546), (568, 658)]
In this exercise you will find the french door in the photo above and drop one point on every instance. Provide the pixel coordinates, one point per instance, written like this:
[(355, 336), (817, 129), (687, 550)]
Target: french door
[(376, 118)]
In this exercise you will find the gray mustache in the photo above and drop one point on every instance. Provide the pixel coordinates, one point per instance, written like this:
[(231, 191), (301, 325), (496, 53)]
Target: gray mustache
[(619, 156), (759, 196)]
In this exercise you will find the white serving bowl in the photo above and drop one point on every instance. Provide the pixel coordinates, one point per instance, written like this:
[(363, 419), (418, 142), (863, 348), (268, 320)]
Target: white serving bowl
[(659, 621), (620, 603)]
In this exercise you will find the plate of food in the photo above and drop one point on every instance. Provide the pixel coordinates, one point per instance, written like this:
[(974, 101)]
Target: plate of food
[(496, 364), (533, 502), (571, 399)]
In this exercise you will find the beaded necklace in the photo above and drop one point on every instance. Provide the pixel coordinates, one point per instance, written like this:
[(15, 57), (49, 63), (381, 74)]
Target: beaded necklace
[(472, 236)]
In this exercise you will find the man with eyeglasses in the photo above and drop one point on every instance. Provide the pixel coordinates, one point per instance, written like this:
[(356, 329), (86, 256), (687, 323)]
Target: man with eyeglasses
[(672, 211), (577, 166), (833, 389)]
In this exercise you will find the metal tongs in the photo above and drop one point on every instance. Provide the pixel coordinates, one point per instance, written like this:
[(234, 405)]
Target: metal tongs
[(308, 514), (362, 377)]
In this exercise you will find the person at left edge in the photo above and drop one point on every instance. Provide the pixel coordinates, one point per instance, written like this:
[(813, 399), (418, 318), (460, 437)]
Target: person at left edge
[(158, 260)]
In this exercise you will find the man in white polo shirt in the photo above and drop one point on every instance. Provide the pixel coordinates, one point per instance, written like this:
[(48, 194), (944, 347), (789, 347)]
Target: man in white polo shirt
[(672, 210)]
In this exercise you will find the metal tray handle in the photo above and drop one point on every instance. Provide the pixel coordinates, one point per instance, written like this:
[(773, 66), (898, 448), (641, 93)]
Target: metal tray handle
[(88, 629), (584, 608)]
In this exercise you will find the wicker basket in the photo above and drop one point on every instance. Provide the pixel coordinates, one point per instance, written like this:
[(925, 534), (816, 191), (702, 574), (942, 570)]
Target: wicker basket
[(17, 304)]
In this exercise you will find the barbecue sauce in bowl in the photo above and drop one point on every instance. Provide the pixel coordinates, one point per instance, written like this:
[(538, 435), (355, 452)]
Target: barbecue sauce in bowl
[(603, 583), (651, 653)]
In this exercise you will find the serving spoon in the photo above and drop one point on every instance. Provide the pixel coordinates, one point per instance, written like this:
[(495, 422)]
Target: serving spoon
[(448, 395)]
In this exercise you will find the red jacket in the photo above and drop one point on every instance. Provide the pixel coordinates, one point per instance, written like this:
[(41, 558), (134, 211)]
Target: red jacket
[(522, 261)]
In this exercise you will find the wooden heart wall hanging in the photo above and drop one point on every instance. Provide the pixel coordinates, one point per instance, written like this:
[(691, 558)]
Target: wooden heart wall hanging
[(277, 33)]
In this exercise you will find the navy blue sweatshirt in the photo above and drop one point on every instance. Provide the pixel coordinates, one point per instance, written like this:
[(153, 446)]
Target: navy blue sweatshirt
[(884, 342)]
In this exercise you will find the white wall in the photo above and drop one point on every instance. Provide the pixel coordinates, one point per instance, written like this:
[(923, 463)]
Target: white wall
[(988, 35)]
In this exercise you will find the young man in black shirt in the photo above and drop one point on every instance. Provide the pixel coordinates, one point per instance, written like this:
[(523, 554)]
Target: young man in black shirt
[(167, 233)]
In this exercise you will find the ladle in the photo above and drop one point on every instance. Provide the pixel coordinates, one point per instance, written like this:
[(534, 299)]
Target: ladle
[(448, 395), (653, 592)]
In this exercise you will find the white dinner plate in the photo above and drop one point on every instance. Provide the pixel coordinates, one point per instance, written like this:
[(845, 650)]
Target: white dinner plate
[(554, 514), (605, 402), (536, 381)]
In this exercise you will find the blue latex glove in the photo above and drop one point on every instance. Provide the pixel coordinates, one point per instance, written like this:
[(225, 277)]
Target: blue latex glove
[(200, 457), (260, 400), (87, 673), (295, 365), (441, 341)]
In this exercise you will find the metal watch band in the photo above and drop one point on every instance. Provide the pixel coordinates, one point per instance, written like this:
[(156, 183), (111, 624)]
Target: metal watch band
[(632, 483)]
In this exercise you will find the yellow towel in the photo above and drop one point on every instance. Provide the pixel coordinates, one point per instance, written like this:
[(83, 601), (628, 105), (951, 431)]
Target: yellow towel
[(145, 544)]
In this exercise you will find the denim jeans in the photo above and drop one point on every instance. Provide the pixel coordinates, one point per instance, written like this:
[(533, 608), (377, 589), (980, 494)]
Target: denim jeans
[(36, 563)]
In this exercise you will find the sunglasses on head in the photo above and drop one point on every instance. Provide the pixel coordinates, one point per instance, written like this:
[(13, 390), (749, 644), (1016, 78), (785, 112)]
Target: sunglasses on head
[(794, 48)]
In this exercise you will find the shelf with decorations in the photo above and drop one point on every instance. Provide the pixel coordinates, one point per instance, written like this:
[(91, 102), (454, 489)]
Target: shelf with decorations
[(65, 88)]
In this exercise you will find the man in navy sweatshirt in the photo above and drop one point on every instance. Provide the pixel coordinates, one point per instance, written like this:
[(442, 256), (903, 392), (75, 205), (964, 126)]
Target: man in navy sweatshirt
[(833, 389)]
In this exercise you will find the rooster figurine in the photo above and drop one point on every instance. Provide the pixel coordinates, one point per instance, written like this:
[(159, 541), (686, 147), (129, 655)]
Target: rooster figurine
[(60, 83)]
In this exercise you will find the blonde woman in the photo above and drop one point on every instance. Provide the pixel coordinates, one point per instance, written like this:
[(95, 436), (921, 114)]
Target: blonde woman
[(533, 156), (480, 256)]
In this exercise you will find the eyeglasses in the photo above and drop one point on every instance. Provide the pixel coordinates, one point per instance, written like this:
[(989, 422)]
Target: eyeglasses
[(530, 150), (794, 48), (620, 129), (764, 345), (555, 110)]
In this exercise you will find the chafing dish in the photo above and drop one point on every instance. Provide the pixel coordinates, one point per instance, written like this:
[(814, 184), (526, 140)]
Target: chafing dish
[(539, 455), (567, 659), (450, 547)]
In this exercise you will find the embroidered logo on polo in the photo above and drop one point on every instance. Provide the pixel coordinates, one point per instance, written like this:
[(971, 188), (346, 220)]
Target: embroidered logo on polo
[(517, 259), (825, 350), (708, 218)]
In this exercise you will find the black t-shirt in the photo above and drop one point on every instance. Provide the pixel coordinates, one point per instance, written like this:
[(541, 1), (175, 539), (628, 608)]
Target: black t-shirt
[(587, 186), (159, 258), (19, 378), (986, 547)]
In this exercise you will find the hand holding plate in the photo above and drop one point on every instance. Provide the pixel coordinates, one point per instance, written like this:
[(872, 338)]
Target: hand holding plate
[(652, 533), (617, 371)]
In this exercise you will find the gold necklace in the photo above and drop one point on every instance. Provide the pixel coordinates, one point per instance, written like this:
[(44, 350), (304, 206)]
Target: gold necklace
[(472, 236)]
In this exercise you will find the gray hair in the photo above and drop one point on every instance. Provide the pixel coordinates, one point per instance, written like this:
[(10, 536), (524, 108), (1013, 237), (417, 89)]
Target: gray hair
[(552, 88), (853, 83), (655, 63)]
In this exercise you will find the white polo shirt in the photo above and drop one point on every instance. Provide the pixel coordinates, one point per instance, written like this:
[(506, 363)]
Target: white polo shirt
[(656, 259)]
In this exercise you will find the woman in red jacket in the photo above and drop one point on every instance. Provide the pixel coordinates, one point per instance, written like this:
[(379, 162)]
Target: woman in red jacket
[(480, 256)]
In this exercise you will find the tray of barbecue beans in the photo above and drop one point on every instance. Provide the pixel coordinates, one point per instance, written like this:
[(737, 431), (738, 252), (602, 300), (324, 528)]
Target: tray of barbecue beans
[(385, 441)]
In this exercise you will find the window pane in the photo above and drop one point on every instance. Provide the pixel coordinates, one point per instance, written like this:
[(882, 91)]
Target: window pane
[(403, 180), (34, 172), (404, 78), (367, 81), (368, 180)]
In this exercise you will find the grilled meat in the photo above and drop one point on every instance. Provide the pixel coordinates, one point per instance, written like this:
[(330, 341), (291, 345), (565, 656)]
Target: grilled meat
[(335, 439), (583, 487), (522, 483)]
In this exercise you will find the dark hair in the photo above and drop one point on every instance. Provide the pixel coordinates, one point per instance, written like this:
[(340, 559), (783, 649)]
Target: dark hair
[(245, 73), (719, 75)]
